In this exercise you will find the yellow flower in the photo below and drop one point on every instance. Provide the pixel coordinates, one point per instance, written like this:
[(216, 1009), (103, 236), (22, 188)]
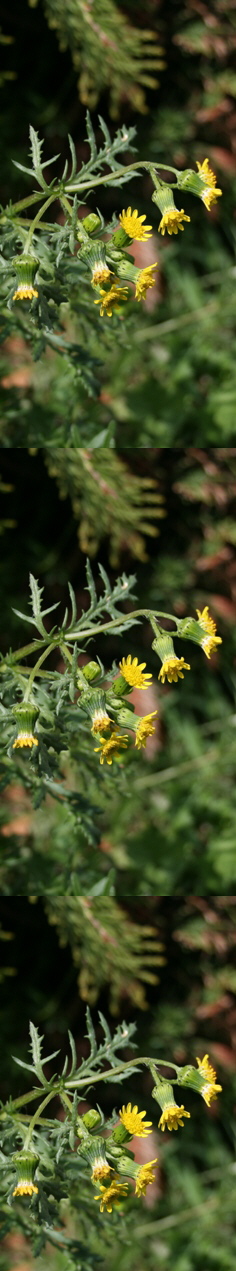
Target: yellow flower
[(132, 671), (210, 640), (101, 1169), (172, 668), (144, 729), (132, 1120), (171, 1117), (171, 221), (144, 281), (100, 274), (112, 1195), (25, 739), (100, 720), (210, 192), (144, 1177), (132, 224), (24, 293), (111, 299), (110, 749), (209, 1089), (25, 1189)]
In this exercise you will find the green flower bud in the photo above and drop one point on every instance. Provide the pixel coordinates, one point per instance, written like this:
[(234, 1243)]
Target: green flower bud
[(91, 222), (120, 238), (25, 1163), (91, 671), (25, 267), (26, 714), (163, 645), (91, 1118), (120, 1134), (120, 687)]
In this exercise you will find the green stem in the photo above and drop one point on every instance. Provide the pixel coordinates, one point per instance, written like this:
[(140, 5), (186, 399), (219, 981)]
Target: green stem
[(73, 189), (36, 220), (92, 631), (94, 181), (35, 1117), (106, 626), (34, 671), (113, 1072)]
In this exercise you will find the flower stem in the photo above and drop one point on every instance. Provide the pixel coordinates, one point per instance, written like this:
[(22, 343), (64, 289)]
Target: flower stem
[(35, 1117), (36, 220), (34, 671), (113, 1072)]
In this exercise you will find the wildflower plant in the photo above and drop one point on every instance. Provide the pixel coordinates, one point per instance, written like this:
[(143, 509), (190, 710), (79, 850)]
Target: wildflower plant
[(81, 713), (64, 284), (79, 1156)]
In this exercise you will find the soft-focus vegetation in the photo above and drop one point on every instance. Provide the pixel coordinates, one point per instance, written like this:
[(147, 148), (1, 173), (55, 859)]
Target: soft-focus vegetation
[(165, 374), (189, 1221), (170, 828)]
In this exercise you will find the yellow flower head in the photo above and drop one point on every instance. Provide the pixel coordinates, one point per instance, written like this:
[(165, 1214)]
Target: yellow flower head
[(210, 639), (210, 193), (131, 222), (144, 1177), (25, 739), (100, 274), (209, 1090), (24, 293), (100, 720), (171, 1117), (132, 671), (112, 1195), (144, 281), (110, 748), (25, 1189), (111, 299), (171, 221), (101, 1169), (132, 1120), (145, 729), (172, 668)]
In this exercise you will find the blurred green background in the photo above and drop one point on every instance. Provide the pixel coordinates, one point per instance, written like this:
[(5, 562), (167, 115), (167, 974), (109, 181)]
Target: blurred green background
[(170, 377), (189, 1011), (170, 829)]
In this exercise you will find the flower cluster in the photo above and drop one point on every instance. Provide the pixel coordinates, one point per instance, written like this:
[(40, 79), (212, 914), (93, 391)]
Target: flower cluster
[(108, 1158)]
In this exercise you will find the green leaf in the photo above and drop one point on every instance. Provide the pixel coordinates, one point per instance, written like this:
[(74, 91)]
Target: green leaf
[(73, 156), (90, 136), (105, 887), (91, 586)]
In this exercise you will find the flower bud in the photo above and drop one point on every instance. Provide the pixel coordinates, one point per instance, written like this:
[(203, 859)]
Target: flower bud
[(91, 222), (26, 714), (163, 645), (120, 238), (25, 267), (120, 1134), (25, 1163), (91, 1118), (91, 671)]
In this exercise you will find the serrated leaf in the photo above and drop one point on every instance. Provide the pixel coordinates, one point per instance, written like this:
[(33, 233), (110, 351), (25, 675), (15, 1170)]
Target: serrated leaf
[(30, 171), (25, 617), (91, 586), (73, 1053), (105, 130), (65, 170), (105, 579), (73, 156), (90, 136), (73, 603), (91, 1034), (30, 1067)]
